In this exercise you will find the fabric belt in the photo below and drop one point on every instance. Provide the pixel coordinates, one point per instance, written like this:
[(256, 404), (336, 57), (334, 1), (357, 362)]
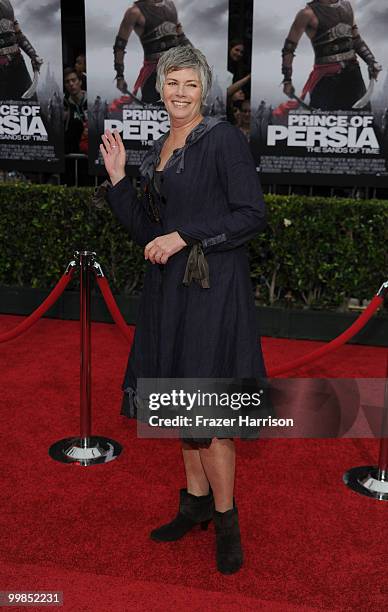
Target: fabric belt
[(9, 50), (160, 46), (338, 57), (152, 57)]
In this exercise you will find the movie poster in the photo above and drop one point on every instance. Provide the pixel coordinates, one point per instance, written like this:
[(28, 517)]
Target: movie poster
[(121, 85), (329, 123), (31, 100)]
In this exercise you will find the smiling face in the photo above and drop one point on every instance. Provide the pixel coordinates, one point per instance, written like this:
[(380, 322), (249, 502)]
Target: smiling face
[(236, 52), (182, 94)]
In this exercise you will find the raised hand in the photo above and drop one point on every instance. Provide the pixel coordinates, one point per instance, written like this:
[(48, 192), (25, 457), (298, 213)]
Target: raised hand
[(114, 156)]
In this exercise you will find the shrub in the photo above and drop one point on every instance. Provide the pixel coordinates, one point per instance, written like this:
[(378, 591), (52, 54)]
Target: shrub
[(315, 252)]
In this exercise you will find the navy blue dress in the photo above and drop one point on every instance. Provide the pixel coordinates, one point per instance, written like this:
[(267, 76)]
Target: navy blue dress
[(211, 194)]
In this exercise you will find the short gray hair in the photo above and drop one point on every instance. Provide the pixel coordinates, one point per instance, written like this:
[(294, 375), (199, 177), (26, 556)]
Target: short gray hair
[(184, 56)]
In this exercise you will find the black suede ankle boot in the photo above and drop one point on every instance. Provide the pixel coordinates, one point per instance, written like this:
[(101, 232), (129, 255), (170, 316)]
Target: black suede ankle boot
[(193, 510), (228, 541)]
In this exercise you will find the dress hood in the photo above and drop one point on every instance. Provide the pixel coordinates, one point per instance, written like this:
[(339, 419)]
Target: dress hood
[(152, 158)]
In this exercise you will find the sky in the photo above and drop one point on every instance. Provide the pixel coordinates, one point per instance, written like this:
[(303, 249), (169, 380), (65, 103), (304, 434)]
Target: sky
[(205, 23), (271, 24)]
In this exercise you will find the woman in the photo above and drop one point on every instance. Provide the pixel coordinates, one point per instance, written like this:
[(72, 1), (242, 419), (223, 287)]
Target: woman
[(239, 87), (202, 202), (236, 63)]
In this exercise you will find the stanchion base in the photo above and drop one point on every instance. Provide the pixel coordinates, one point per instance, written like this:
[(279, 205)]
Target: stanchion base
[(364, 480), (85, 451)]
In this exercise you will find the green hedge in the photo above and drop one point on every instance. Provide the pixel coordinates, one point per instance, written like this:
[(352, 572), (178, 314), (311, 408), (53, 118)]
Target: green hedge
[(316, 252)]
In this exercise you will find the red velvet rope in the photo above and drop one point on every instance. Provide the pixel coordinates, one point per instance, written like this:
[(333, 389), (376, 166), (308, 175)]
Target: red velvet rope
[(119, 320), (40, 311), (334, 344), (112, 307), (309, 358)]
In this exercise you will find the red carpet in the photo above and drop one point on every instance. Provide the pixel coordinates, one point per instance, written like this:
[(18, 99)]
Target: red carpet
[(310, 543)]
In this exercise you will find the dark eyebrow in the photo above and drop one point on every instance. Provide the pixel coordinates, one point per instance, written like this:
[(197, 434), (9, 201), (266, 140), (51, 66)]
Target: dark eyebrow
[(189, 81)]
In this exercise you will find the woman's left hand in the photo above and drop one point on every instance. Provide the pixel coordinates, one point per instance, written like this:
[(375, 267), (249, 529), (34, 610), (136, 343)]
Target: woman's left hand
[(159, 250)]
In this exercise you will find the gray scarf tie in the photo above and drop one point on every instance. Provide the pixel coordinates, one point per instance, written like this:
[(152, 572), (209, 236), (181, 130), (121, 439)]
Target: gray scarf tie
[(197, 268)]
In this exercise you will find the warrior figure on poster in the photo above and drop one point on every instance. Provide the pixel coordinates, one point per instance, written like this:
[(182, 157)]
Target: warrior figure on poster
[(157, 26), (15, 81), (336, 82)]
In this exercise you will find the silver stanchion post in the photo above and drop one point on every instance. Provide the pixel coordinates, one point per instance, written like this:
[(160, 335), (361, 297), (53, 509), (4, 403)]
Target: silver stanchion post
[(87, 449), (86, 259), (372, 480)]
